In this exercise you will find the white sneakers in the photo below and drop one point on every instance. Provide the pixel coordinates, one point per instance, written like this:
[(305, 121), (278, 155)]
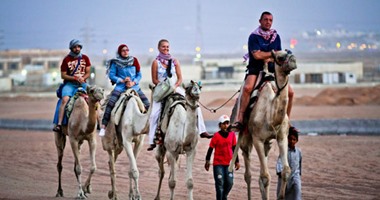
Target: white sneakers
[(102, 132)]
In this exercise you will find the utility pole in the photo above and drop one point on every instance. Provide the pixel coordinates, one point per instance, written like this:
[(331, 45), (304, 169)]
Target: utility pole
[(87, 35), (199, 39), (199, 34), (1, 39)]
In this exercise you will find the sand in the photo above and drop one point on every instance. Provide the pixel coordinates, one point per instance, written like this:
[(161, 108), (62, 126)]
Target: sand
[(334, 167)]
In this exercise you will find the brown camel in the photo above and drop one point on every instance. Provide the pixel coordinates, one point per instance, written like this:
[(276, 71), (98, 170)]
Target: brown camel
[(181, 136), (81, 126), (131, 129), (268, 120)]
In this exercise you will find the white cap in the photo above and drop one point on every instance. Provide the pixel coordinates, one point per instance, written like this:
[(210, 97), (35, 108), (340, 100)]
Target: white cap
[(224, 118)]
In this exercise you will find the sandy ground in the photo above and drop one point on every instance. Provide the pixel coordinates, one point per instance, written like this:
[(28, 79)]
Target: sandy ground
[(334, 167)]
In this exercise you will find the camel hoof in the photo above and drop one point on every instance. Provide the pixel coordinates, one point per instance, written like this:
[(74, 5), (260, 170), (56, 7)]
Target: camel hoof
[(134, 197), (88, 189), (111, 195), (59, 193), (81, 195)]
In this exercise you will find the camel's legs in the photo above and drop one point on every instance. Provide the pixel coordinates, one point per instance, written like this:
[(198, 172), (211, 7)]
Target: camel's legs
[(189, 172), (92, 147), (111, 164), (134, 192), (283, 148), (173, 160), (138, 145), (247, 173), (265, 177), (77, 167), (60, 143), (236, 151), (160, 156)]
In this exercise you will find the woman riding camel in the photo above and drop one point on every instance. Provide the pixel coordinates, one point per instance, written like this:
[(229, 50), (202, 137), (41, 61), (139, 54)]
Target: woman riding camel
[(159, 74)]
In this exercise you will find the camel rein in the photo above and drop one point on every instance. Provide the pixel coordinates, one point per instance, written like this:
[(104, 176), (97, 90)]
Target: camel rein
[(213, 110), (279, 63), (278, 87)]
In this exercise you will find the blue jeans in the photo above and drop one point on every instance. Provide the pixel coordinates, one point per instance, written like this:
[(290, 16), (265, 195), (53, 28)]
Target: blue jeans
[(70, 88), (223, 181)]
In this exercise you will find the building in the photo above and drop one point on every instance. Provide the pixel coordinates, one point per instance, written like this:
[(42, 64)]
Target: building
[(307, 72), (32, 67), (40, 69), (328, 72)]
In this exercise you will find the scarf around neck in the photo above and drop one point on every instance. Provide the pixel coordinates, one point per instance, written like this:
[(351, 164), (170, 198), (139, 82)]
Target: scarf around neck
[(266, 34), (269, 34), (164, 58), (121, 62), (72, 54)]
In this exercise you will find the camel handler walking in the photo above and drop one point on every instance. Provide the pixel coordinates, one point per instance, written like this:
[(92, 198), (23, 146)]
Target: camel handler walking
[(75, 69), (224, 143)]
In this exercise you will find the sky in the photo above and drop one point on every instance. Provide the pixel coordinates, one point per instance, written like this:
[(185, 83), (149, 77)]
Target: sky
[(217, 26)]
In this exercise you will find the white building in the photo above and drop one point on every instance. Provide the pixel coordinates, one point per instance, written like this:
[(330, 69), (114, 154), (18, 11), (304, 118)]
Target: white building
[(327, 73)]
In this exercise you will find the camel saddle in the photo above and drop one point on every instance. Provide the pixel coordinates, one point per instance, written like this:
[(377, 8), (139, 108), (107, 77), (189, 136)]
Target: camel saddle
[(263, 78), (168, 105), (121, 103), (70, 105)]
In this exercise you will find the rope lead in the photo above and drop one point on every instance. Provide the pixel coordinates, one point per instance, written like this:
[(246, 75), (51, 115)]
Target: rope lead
[(213, 110)]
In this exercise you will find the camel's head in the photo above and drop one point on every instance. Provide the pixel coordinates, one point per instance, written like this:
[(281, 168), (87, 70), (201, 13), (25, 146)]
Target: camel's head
[(286, 60), (193, 89), (96, 92)]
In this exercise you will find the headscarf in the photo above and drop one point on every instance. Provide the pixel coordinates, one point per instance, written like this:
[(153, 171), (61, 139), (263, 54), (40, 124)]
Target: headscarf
[(120, 48), (73, 43), (269, 34)]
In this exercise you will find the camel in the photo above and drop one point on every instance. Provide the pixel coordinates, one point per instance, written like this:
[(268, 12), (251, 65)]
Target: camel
[(131, 128), (268, 120), (81, 126), (181, 136)]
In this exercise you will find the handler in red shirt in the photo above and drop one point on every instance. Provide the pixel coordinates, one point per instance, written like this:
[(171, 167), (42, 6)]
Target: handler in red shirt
[(224, 143)]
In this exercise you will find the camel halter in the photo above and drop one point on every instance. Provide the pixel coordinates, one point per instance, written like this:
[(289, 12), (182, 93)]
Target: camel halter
[(279, 89), (195, 106)]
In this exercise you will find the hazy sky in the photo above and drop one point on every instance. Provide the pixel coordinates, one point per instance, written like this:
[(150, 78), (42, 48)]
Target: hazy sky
[(225, 24)]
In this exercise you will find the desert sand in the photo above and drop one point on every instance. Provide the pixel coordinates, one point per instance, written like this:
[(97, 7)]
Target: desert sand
[(334, 167)]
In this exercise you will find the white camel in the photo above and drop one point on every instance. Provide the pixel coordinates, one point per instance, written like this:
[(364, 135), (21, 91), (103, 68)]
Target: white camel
[(81, 126), (268, 120), (131, 129), (181, 136)]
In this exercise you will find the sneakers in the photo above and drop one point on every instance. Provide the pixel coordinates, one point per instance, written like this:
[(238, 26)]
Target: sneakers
[(102, 132), (206, 135)]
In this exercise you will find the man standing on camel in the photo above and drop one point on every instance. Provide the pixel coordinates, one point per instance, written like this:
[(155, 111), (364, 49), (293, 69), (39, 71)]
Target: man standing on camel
[(260, 44)]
